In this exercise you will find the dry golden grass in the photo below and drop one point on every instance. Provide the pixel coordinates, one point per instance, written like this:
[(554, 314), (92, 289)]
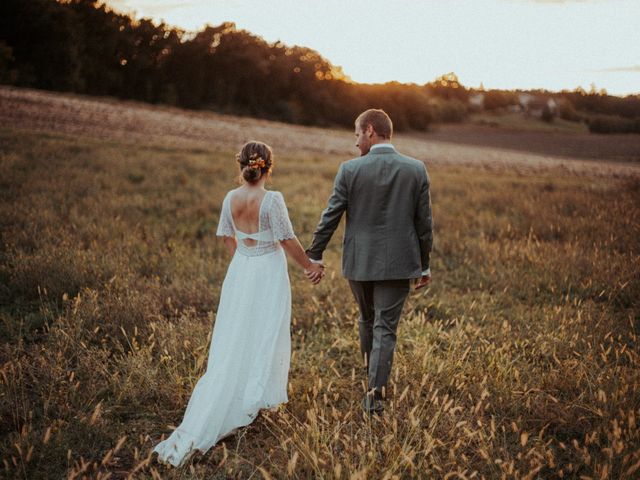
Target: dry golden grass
[(520, 361)]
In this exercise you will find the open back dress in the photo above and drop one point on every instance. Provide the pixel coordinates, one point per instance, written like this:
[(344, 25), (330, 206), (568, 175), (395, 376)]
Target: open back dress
[(248, 364)]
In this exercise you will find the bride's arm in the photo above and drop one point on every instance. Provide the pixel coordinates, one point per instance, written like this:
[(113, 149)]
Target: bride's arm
[(294, 250), (283, 232), (231, 243)]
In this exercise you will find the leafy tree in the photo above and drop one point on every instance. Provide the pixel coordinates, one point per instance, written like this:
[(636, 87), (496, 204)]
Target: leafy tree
[(43, 42), (448, 86)]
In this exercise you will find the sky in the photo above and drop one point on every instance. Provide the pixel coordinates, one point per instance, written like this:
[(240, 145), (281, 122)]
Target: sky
[(506, 44)]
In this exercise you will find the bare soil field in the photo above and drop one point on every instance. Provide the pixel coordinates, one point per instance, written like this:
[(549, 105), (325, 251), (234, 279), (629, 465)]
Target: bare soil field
[(144, 124), (572, 145)]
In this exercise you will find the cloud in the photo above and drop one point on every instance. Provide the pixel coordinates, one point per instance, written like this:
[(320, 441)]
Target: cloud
[(631, 69)]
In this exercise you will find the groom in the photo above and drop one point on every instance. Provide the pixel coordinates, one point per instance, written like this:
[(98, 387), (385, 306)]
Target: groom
[(387, 241)]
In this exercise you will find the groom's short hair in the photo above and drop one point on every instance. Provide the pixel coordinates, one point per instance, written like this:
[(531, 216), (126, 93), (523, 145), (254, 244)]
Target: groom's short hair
[(378, 119)]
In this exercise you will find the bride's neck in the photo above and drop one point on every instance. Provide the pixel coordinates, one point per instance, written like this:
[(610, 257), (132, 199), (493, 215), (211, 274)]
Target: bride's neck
[(255, 186)]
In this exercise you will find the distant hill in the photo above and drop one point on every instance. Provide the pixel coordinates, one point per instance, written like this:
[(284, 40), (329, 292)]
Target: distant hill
[(139, 123)]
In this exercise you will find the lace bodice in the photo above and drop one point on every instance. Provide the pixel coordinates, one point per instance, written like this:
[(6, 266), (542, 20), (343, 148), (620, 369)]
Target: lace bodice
[(274, 225)]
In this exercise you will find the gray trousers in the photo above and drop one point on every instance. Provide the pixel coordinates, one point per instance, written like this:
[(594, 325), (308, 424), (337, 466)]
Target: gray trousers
[(380, 305)]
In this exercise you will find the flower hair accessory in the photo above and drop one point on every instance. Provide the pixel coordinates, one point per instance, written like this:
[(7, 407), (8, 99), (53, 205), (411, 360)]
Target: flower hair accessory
[(256, 161)]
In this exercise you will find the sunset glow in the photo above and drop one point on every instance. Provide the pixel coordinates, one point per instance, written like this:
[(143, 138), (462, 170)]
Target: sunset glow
[(552, 44)]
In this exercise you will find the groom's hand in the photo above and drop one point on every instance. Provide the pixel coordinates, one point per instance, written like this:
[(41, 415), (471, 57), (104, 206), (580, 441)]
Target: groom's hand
[(315, 272), (423, 281)]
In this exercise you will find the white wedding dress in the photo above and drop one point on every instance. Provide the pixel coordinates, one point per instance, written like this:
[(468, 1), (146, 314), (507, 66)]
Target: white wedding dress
[(248, 364)]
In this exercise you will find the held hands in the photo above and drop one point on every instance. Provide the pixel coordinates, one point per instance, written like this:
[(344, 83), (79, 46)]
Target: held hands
[(315, 272)]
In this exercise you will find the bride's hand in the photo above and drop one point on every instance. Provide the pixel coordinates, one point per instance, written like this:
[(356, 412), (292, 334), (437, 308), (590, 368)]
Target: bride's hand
[(315, 272)]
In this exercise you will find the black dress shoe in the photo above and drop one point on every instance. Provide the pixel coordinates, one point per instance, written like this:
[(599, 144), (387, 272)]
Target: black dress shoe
[(372, 405)]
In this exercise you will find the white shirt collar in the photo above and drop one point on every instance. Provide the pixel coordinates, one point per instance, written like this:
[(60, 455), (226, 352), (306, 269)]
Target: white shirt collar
[(380, 145)]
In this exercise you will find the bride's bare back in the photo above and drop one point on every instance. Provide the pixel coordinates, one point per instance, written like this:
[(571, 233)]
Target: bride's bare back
[(245, 210)]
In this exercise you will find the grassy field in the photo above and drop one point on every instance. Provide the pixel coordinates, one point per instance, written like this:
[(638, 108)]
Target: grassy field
[(520, 361)]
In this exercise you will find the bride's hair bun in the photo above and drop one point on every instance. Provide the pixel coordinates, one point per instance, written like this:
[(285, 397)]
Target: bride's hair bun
[(256, 160)]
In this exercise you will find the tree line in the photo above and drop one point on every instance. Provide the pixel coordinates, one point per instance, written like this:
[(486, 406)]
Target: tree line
[(601, 112), (84, 47)]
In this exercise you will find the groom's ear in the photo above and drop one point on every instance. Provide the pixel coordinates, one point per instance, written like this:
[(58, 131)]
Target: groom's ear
[(370, 131)]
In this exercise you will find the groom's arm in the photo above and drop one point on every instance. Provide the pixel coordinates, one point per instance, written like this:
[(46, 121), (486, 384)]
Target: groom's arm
[(424, 224), (330, 217)]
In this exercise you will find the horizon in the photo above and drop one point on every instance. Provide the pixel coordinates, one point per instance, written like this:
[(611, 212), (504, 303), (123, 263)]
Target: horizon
[(550, 45)]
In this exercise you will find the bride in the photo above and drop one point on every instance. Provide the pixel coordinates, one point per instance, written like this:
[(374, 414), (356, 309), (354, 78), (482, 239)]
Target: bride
[(248, 362)]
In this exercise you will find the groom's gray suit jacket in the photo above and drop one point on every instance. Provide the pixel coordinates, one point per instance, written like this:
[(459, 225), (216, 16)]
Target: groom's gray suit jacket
[(388, 232)]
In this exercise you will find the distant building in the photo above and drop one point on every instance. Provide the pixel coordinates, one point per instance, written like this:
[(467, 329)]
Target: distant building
[(535, 105), (476, 101)]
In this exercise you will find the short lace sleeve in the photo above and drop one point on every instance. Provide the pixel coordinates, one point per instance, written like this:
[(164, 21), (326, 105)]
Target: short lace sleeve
[(279, 219), (225, 225)]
